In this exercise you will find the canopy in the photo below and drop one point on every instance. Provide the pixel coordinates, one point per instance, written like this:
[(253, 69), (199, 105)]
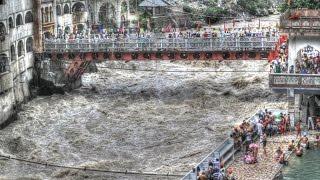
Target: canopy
[(154, 3)]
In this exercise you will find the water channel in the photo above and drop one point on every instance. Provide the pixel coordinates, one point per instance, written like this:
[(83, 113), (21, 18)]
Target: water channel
[(306, 167)]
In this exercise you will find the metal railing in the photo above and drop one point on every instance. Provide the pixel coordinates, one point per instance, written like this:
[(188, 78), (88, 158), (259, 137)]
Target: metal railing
[(294, 80), (226, 151), (159, 44)]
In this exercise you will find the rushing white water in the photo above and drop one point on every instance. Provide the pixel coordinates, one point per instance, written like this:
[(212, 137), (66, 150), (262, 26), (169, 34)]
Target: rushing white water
[(135, 120)]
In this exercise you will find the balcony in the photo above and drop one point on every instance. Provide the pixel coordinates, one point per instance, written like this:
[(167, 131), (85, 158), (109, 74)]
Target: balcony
[(301, 83), (306, 21)]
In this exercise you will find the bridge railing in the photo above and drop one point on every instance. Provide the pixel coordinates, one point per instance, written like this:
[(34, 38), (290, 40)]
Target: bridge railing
[(155, 44), (294, 80)]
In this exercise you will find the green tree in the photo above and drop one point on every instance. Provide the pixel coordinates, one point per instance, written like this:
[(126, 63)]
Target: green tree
[(214, 14), (255, 7), (296, 4)]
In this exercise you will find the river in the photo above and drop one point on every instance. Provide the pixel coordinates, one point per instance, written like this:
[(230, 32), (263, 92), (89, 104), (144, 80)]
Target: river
[(146, 121)]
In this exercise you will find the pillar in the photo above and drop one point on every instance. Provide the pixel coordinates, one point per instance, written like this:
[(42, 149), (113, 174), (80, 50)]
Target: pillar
[(55, 18), (128, 13), (291, 106), (37, 26), (96, 8), (118, 13)]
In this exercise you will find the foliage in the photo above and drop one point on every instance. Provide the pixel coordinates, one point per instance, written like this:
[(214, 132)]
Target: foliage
[(296, 4), (214, 14), (143, 19), (255, 7), (188, 9)]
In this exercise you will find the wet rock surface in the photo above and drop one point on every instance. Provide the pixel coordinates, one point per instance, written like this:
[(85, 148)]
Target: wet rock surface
[(156, 119)]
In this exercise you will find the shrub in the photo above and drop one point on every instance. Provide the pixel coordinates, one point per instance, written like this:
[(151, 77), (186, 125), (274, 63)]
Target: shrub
[(296, 4)]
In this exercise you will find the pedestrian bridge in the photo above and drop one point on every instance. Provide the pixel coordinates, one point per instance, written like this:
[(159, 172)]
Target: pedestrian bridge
[(161, 44), (81, 52)]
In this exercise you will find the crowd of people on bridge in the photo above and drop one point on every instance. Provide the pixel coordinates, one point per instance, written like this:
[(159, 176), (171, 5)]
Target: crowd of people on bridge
[(227, 32), (190, 33)]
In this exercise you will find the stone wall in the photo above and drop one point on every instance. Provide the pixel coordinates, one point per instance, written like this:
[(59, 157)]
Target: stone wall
[(14, 83)]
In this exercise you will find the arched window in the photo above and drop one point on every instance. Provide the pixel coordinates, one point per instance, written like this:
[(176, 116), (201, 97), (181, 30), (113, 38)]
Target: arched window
[(2, 32), (66, 9), (3, 63), (78, 7), (28, 17), (46, 15), (51, 14), (20, 49), (13, 53), (11, 24), (58, 9), (29, 44), (19, 20)]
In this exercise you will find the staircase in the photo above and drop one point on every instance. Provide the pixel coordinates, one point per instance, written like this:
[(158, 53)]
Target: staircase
[(76, 69)]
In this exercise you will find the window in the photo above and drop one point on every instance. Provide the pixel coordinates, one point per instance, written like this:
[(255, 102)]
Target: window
[(51, 14), (58, 9), (29, 44), (2, 31), (66, 9), (3, 63), (19, 20), (11, 24), (42, 15), (78, 7), (2, 2), (13, 53), (20, 49), (28, 17), (46, 15)]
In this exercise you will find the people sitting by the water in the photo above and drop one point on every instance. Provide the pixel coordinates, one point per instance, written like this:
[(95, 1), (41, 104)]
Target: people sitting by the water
[(304, 141), (291, 146), (299, 150), (280, 156)]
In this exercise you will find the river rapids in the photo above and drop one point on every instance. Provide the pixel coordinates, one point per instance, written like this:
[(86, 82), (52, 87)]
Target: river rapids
[(137, 116)]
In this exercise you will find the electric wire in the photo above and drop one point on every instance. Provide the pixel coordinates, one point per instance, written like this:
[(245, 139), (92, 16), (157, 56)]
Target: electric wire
[(88, 169), (183, 71)]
